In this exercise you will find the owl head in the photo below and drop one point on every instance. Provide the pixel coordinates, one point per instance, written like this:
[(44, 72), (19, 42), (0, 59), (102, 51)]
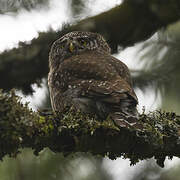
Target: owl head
[(77, 42)]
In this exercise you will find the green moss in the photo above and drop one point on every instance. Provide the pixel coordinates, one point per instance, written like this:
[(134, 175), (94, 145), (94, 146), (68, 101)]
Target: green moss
[(73, 131)]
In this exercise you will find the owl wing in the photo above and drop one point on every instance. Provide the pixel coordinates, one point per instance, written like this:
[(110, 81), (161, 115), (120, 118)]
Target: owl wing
[(97, 76), (122, 69), (113, 91)]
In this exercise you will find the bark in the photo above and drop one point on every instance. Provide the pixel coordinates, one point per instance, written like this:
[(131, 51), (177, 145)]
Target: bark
[(73, 132)]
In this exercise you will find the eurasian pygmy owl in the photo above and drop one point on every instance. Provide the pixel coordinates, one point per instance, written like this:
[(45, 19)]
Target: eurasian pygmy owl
[(83, 74)]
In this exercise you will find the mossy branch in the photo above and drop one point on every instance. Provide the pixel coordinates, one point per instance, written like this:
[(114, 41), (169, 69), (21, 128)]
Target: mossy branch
[(73, 132)]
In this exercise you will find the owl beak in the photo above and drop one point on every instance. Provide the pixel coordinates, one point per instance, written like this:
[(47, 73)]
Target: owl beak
[(71, 47)]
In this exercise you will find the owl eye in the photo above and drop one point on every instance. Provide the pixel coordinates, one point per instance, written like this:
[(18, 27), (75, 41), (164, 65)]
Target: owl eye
[(61, 46), (83, 42)]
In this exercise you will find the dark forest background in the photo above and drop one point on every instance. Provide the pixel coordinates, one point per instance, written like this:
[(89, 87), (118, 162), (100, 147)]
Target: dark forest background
[(154, 24)]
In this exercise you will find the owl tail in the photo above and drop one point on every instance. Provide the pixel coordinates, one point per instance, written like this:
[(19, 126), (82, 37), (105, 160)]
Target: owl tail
[(127, 117)]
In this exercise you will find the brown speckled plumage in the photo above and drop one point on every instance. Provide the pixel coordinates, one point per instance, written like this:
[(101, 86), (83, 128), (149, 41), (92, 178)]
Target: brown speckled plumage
[(84, 75)]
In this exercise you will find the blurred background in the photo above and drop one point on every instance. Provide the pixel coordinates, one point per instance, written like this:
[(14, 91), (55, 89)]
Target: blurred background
[(154, 65)]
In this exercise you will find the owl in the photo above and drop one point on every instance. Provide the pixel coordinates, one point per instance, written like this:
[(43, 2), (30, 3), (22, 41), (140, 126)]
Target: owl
[(84, 75)]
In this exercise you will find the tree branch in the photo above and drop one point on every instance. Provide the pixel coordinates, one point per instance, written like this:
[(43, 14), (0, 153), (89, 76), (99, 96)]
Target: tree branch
[(131, 22), (72, 132)]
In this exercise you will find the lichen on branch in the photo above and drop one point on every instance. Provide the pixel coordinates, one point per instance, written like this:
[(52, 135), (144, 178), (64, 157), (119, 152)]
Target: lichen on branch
[(73, 132)]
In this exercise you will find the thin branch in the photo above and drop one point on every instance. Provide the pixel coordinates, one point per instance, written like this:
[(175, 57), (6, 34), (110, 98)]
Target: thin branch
[(16, 5), (155, 77), (72, 132)]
